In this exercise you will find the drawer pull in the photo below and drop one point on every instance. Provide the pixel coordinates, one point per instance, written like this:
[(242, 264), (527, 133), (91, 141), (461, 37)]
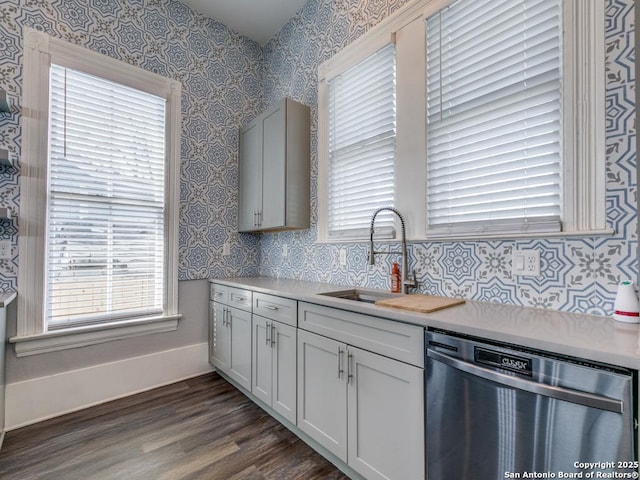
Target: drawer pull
[(270, 307), (238, 298)]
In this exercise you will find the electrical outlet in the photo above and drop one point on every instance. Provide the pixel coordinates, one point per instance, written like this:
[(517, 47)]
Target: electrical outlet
[(5, 249), (526, 263), (285, 251), (343, 257), (226, 248)]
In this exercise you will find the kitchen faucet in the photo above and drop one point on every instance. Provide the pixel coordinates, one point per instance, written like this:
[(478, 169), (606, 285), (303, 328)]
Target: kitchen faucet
[(406, 281)]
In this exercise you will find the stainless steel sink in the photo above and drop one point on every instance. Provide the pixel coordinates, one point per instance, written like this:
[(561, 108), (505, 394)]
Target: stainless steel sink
[(361, 295)]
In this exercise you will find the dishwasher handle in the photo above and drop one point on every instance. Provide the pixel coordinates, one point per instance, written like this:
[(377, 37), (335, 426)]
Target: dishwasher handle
[(558, 393)]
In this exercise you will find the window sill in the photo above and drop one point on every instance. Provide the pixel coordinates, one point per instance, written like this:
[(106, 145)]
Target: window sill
[(515, 236), (91, 335), (479, 237)]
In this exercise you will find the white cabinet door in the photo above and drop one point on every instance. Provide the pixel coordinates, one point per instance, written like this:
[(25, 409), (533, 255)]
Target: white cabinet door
[(284, 370), (274, 365), (322, 391), (212, 310), (262, 378), (385, 417), (3, 335), (240, 346), (274, 167), (250, 191), (219, 348)]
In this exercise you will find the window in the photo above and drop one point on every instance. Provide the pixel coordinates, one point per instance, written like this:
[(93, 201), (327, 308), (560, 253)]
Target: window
[(492, 99), (362, 128), (105, 207), (98, 212), (493, 117)]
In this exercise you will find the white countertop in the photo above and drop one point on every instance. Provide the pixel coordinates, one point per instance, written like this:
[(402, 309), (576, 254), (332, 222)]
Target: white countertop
[(591, 337)]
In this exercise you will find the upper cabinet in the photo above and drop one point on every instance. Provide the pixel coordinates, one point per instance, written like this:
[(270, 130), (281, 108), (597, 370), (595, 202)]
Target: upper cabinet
[(5, 102), (274, 170), (5, 107), (5, 157)]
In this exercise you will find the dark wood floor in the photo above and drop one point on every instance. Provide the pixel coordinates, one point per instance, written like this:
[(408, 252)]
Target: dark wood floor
[(202, 428)]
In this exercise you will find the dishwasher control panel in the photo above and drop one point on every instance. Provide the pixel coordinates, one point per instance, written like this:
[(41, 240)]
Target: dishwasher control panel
[(513, 363)]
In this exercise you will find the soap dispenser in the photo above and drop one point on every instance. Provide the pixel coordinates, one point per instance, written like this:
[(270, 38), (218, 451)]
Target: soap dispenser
[(396, 282), (626, 305)]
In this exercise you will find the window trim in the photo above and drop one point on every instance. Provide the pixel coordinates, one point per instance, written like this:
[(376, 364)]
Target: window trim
[(40, 51), (76, 337), (583, 163)]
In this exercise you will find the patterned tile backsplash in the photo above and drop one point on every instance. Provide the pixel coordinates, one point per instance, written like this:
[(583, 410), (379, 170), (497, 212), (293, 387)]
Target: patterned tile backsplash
[(228, 79)]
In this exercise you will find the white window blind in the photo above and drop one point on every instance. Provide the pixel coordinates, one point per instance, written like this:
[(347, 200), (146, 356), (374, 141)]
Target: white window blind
[(493, 117), (106, 201), (362, 133)]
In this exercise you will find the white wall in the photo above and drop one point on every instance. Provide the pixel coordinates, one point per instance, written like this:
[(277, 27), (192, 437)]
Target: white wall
[(42, 386)]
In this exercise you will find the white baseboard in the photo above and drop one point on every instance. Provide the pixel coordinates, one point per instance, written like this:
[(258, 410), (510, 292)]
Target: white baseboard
[(42, 398)]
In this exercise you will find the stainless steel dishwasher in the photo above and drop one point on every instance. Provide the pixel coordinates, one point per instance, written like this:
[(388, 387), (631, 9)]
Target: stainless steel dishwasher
[(494, 411)]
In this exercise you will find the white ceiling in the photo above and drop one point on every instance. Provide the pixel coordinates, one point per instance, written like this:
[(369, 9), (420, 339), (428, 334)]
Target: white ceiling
[(257, 19)]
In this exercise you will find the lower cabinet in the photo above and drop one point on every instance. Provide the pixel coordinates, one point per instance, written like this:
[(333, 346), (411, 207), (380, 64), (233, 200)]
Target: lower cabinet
[(322, 392), (219, 337), (385, 417), (274, 365), (364, 408), (3, 337), (352, 383), (230, 342)]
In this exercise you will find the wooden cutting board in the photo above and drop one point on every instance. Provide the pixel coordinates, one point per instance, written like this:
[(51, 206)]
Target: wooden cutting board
[(420, 303)]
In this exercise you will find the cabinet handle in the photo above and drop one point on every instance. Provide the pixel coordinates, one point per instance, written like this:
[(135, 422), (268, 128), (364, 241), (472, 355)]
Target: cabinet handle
[(238, 298), (340, 370), (259, 218), (255, 218), (349, 367), (267, 331), (271, 307), (224, 316), (217, 294), (228, 317), (273, 334)]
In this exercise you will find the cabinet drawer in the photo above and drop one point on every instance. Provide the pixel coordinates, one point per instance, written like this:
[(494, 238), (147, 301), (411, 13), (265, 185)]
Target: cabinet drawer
[(219, 293), (239, 298), (275, 308), (389, 338)]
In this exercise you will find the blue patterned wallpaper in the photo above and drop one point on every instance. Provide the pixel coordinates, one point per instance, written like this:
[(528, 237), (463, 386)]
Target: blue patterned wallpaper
[(222, 89), (578, 275), (227, 79)]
